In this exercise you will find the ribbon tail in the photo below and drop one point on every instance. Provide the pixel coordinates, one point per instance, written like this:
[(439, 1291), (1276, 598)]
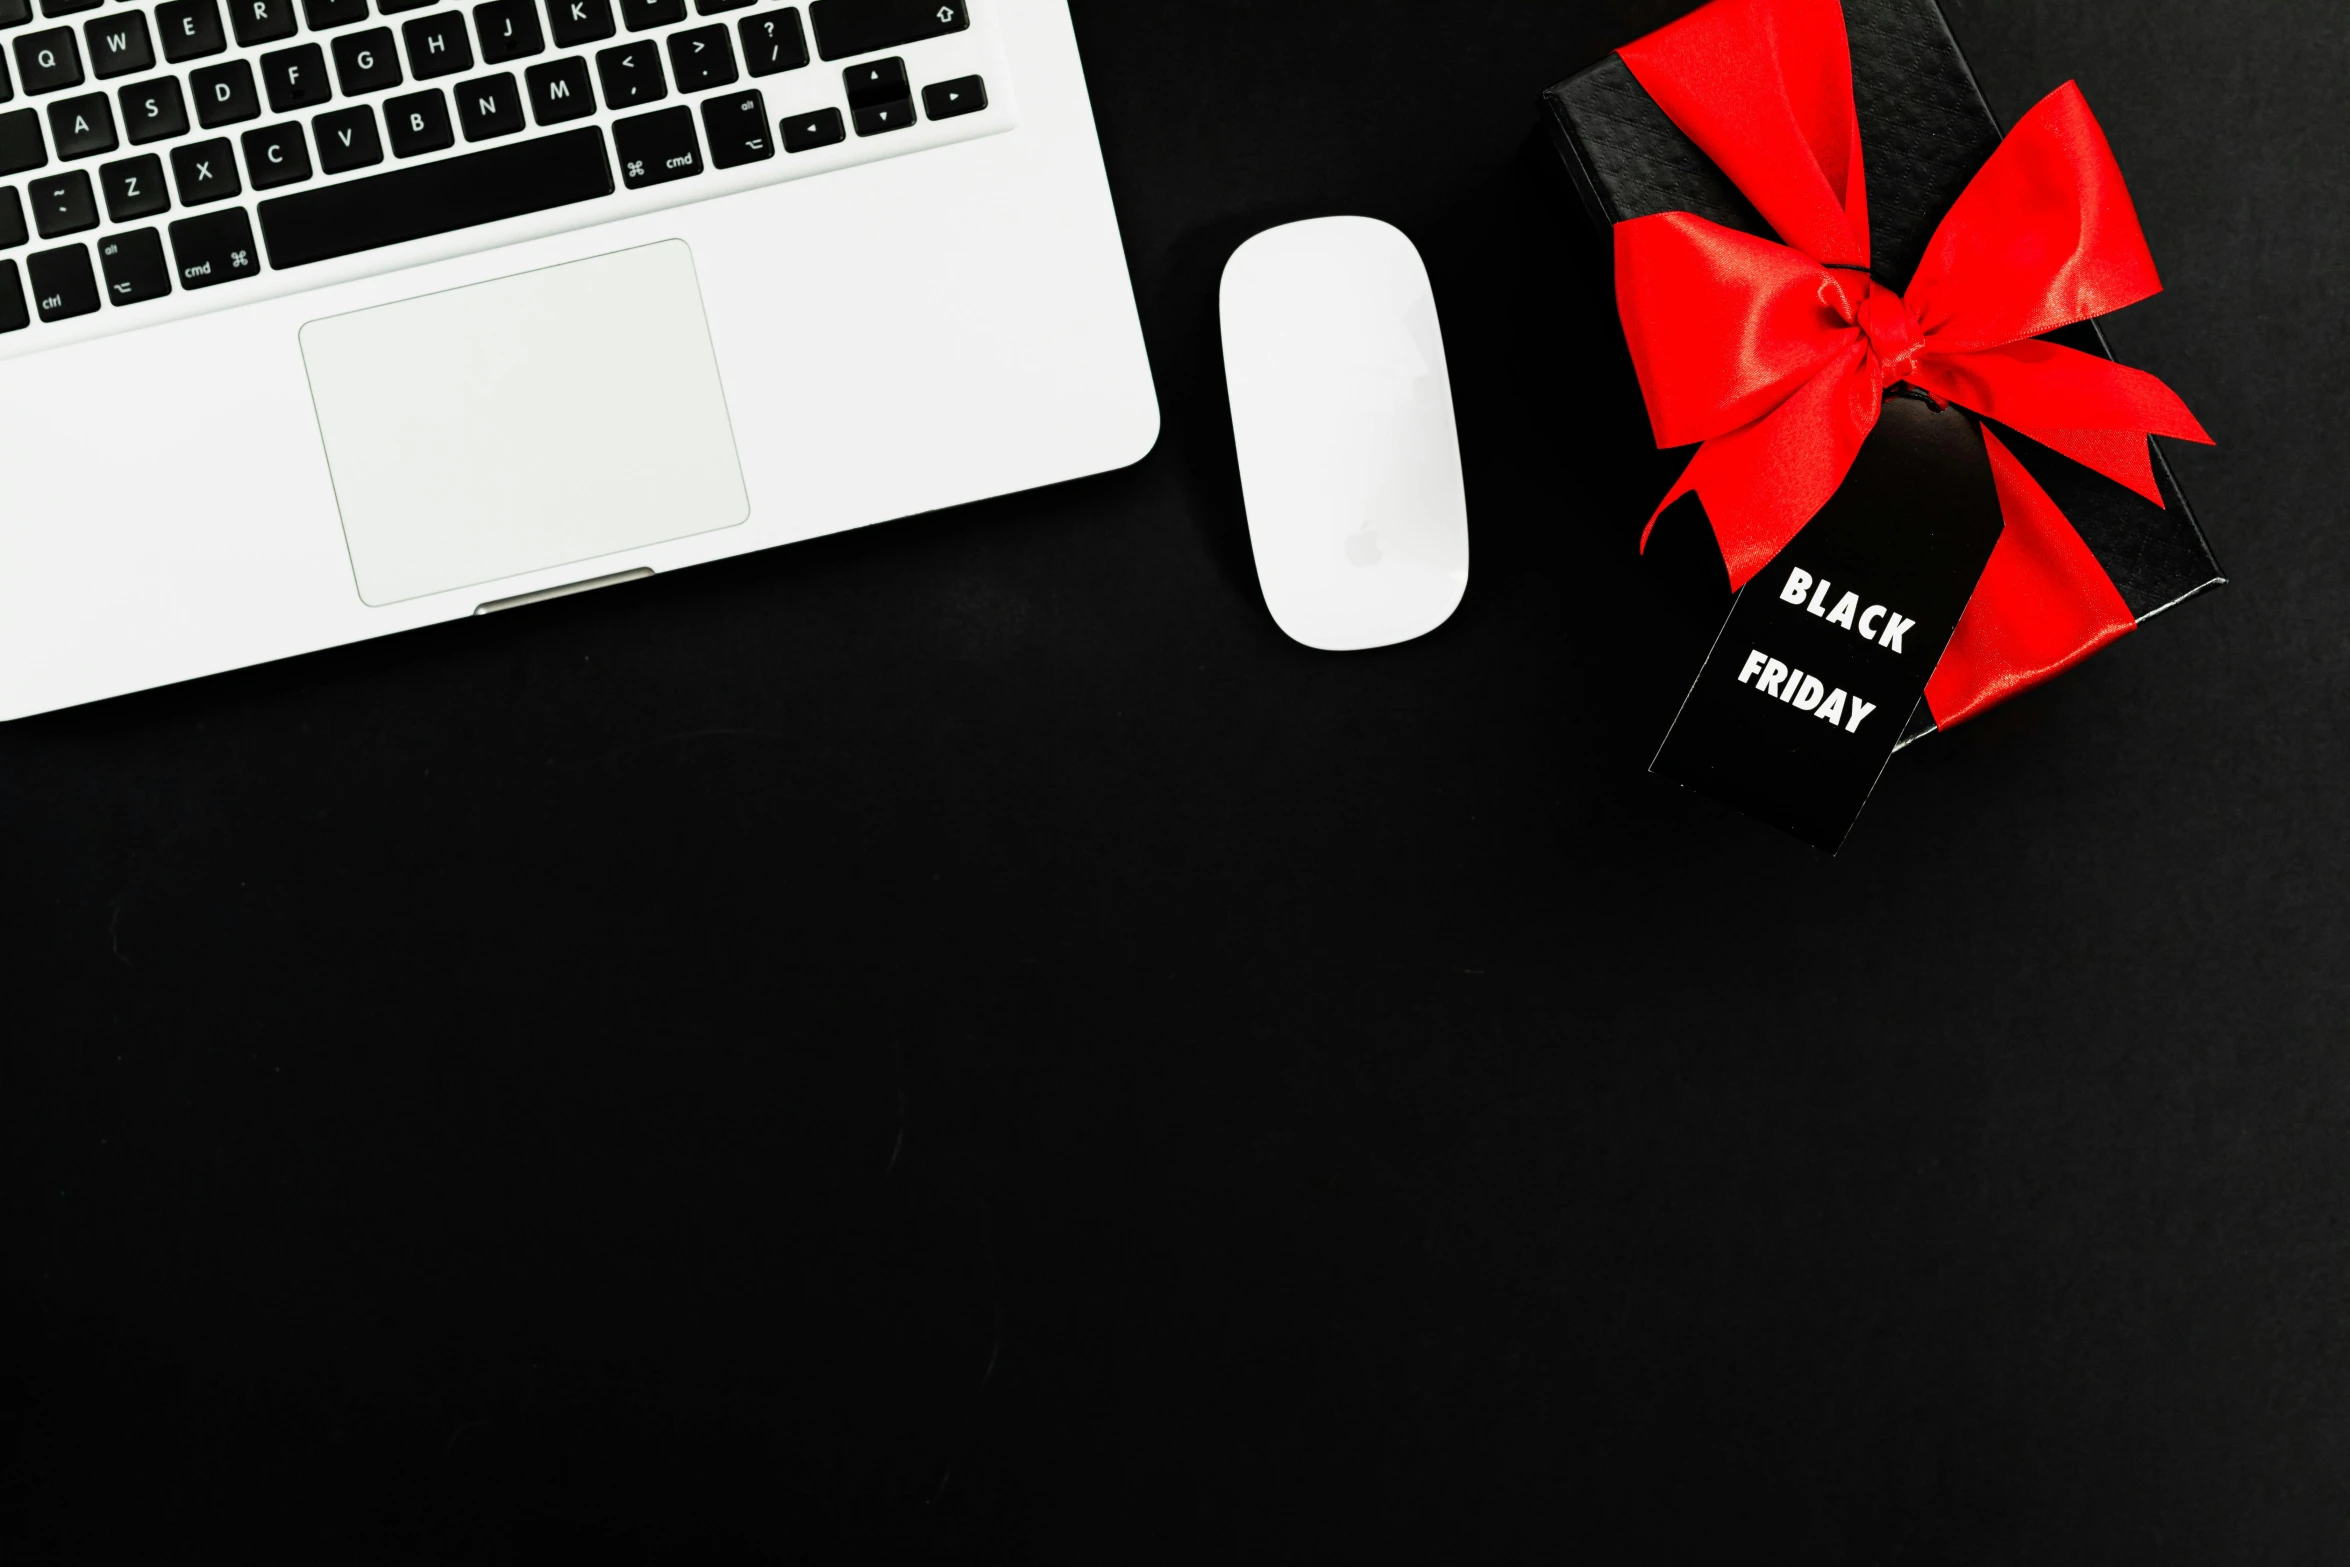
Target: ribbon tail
[(2044, 603), (2092, 410), (1762, 482)]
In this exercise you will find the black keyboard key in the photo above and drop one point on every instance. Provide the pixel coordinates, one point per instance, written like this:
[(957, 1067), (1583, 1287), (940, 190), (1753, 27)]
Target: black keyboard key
[(63, 203), (951, 100), (276, 155), (82, 127), (437, 46), (870, 86), (153, 111), (12, 230), (737, 128), (367, 62), (394, 7), (68, 7), (214, 249), (21, 147), (259, 22), (772, 42), (883, 118), (807, 132), (134, 189), (296, 79), (418, 123), (852, 27), (509, 30), (325, 15), (505, 181), (225, 94), (48, 62), (63, 284), (7, 85), (13, 315), (134, 267), (643, 14), (714, 7), (205, 171), (489, 107), (119, 45), (559, 91), (632, 75), (15, 13), (576, 22), (702, 58), (347, 140), (656, 148), (190, 28)]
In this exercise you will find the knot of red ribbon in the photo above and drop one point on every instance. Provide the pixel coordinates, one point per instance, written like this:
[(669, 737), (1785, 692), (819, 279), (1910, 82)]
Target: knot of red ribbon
[(1773, 358)]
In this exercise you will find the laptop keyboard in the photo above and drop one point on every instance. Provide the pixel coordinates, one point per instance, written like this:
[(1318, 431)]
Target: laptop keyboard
[(151, 154)]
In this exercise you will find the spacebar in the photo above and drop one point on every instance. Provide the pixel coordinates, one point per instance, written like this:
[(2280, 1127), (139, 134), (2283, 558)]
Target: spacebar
[(436, 198)]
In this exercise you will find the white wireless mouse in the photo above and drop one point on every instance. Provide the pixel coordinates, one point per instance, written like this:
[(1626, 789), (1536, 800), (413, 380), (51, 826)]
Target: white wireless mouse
[(1349, 459)]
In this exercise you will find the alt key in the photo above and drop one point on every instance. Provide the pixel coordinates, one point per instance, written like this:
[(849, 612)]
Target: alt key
[(134, 266)]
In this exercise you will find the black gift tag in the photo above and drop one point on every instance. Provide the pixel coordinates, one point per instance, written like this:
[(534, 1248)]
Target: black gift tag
[(1828, 651)]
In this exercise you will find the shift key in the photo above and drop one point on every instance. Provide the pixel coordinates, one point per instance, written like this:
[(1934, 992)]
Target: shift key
[(852, 27)]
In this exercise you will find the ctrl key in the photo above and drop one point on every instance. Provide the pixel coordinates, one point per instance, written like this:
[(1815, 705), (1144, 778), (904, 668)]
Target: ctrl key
[(63, 284), (215, 248)]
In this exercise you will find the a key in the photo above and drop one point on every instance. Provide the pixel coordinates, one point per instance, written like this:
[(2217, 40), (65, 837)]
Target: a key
[(12, 231), (347, 140), (68, 7), (877, 83), (21, 147), (225, 94), (367, 62), (48, 62), (507, 180), (323, 15), (214, 249), (153, 111), (205, 171), (657, 148), (807, 132), (276, 155), (845, 28), (948, 100), (119, 45), (7, 85), (134, 267), (736, 125), (882, 118), (772, 42), (632, 75), (13, 315), (15, 13), (489, 107), (191, 29), (258, 22), (134, 189), (295, 79), (394, 7), (559, 91), (63, 204), (437, 46), (418, 123), (576, 22), (642, 14), (701, 58), (82, 127), (509, 30), (714, 7), (63, 284)]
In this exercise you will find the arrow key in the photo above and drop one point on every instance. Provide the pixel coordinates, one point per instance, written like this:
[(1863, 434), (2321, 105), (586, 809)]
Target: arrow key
[(736, 124), (964, 95), (134, 267)]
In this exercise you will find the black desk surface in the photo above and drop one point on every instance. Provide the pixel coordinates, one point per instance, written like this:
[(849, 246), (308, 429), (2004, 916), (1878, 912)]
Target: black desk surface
[(960, 1042)]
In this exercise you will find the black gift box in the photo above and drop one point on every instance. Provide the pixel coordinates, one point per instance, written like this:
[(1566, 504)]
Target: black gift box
[(1925, 132)]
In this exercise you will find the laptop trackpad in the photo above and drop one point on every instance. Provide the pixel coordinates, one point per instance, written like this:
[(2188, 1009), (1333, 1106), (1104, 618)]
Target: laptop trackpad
[(536, 421)]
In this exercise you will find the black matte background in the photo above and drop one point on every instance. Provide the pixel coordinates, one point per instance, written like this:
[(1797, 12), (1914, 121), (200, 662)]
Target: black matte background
[(959, 1043)]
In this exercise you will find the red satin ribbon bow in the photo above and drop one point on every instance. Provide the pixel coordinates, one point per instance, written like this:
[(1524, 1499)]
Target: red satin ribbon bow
[(1777, 356)]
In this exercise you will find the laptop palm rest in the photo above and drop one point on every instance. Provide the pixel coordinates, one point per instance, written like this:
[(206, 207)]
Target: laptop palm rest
[(543, 420)]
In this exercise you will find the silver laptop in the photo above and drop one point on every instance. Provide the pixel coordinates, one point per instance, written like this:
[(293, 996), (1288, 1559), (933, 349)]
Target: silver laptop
[(324, 319)]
